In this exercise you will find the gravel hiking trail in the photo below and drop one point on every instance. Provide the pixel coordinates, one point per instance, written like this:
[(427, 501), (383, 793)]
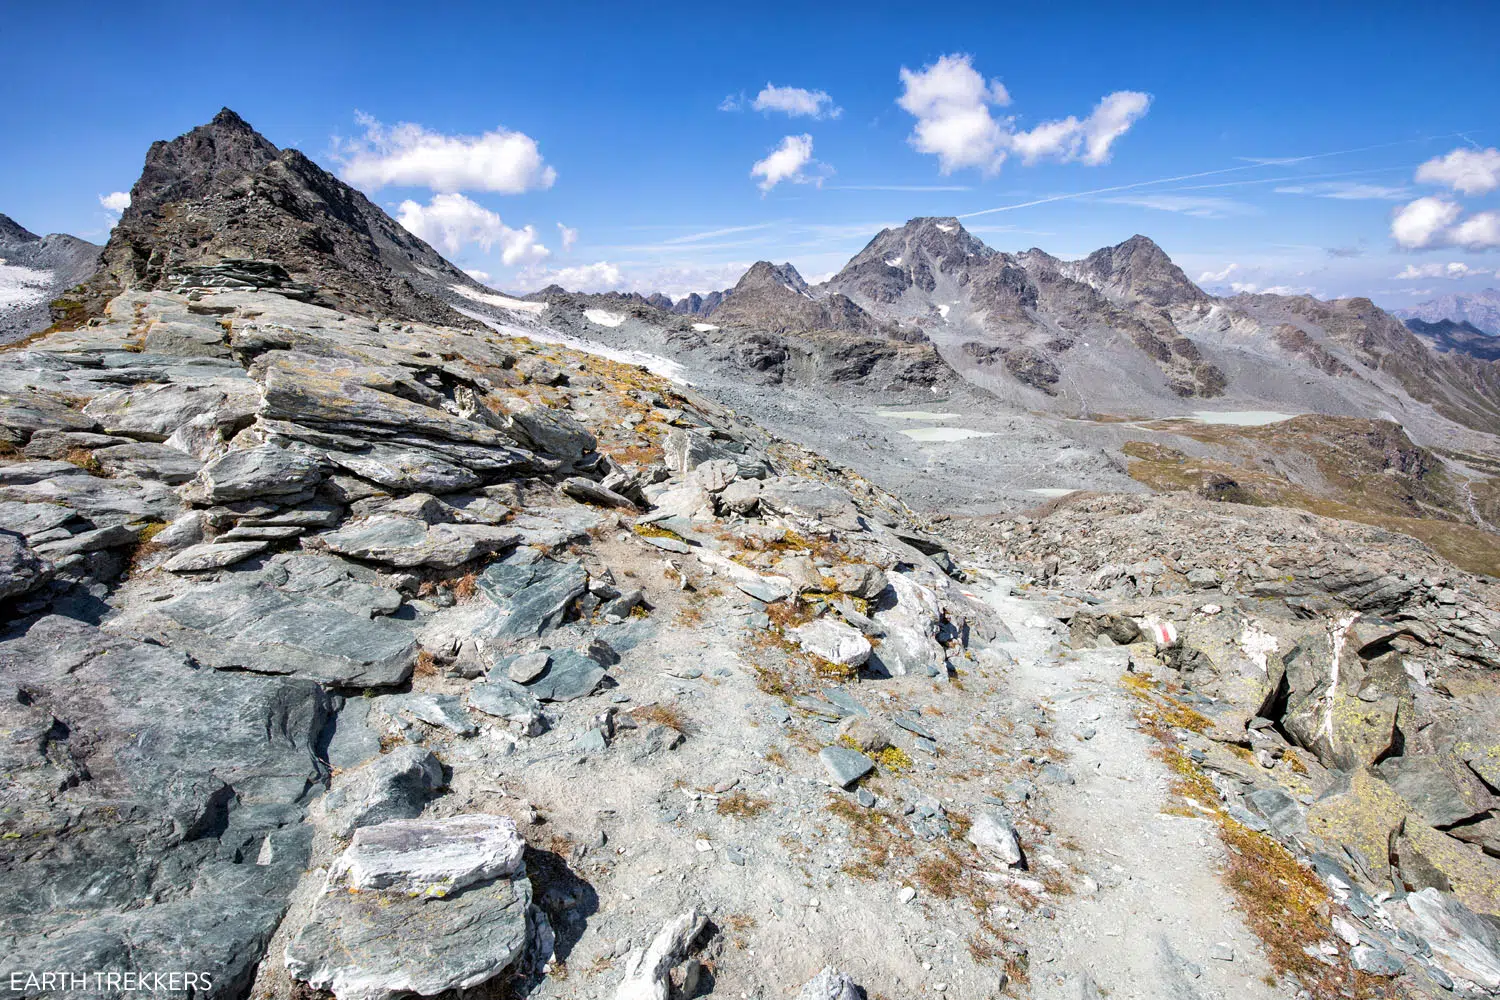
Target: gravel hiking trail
[(1151, 919)]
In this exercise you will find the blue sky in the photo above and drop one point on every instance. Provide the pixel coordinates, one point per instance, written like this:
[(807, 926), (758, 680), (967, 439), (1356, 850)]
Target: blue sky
[(1298, 134)]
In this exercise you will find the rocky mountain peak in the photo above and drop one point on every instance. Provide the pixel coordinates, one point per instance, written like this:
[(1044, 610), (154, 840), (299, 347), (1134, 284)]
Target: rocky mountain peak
[(222, 191), (1139, 270), (12, 232), (765, 274)]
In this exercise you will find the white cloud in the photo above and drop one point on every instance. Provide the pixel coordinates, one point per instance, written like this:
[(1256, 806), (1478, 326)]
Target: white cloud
[(1217, 277), (567, 235), (1348, 191), (1467, 171), (1201, 207), (787, 163), (1477, 232), (1251, 288), (410, 155), (796, 102), (115, 202), (1435, 222), (601, 276), (952, 103), (483, 277), (450, 222), (733, 102), (1423, 223), (1453, 271), (1086, 141)]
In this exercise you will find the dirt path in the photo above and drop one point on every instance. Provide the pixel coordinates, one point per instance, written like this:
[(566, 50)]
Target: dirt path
[(1160, 925)]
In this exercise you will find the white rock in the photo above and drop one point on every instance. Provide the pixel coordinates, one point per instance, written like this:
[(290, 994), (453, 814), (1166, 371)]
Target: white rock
[(995, 836), (430, 857), (648, 972), (833, 641)]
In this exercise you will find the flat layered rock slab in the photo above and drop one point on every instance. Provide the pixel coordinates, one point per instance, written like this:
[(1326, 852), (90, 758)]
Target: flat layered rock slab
[(251, 626), (397, 540), (213, 555)]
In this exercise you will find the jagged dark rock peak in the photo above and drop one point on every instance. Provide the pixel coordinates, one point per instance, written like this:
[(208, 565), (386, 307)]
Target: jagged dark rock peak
[(694, 304), (774, 297), (12, 233), (910, 256), (1140, 271), (223, 191)]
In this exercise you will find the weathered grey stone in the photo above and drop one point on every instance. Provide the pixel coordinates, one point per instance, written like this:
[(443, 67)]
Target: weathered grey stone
[(845, 766), (570, 675), (392, 786), (528, 667), (147, 460), (807, 498), (533, 593), (833, 641), (623, 605), (1464, 944), (506, 700), (250, 626), (445, 711), (213, 555), (715, 475), (667, 543), (741, 496), (554, 433), (908, 613), (1375, 961), (648, 971), (859, 579), (33, 518), (178, 778), (830, 984), (359, 945), (96, 540), (993, 833), (1283, 814), (20, 569), (408, 468), (913, 725), (1426, 784), (406, 541), (432, 858), (267, 533), (246, 473), (153, 412), (588, 491)]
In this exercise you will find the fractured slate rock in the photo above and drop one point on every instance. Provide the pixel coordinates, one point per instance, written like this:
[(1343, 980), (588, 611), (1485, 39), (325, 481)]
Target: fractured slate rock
[(246, 473), (570, 675), (533, 591), (250, 626), (399, 938), (20, 569), (845, 766), (392, 786), (402, 541)]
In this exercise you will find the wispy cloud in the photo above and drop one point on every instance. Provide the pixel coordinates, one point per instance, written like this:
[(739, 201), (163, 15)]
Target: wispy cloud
[(1255, 164), (709, 234), (1195, 205), (1348, 191), (898, 187)]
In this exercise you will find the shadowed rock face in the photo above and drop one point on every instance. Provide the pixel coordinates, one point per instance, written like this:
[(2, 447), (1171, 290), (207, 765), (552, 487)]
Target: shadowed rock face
[(224, 191)]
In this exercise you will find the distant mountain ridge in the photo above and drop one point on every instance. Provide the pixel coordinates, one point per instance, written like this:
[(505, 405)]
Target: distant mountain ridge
[(1480, 309)]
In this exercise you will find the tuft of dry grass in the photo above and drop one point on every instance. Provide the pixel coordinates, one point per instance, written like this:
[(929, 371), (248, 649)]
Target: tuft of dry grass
[(85, 460), (662, 715), (875, 834), (741, 805), (426, 665)]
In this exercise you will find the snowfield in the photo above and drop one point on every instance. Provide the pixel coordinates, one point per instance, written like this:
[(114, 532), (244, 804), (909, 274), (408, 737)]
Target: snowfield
[(603, 317), (22, 286), (502, 301)]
